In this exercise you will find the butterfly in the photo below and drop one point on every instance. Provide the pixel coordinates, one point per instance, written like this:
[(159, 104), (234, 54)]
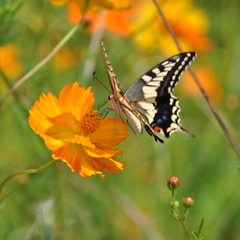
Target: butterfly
[(149, 101)]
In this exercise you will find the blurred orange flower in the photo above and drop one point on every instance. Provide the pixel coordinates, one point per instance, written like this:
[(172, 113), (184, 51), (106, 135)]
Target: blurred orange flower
[(189, 23), (96, 5), (75, 132), (112, 20), (10, 65), (209, 82), (65, 59)]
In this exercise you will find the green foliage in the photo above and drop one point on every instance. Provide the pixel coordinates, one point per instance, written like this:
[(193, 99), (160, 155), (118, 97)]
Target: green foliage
[(196, 235), (8, 11)]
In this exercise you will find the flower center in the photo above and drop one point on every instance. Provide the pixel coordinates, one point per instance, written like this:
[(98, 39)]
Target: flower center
[(90, 122)]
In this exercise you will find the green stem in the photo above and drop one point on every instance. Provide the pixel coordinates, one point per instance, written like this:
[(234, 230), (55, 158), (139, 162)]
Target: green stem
[(185, 228), (15, 94), (40, 64), (29, 171), (186, 213), (47, 58), (173, 195)]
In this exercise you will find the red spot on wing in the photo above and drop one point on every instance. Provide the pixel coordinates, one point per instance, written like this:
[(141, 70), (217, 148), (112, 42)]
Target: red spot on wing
[(151, 133), (157, 129)]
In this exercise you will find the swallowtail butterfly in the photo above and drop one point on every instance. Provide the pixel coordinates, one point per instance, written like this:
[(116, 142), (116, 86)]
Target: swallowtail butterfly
[(149, 101)]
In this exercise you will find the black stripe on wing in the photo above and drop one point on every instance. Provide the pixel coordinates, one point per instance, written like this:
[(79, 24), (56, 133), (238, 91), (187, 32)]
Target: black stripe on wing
[(166, 119), (161, 79)]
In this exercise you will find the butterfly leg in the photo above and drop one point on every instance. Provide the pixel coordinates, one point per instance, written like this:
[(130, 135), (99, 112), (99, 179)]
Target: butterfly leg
[(105, 112)]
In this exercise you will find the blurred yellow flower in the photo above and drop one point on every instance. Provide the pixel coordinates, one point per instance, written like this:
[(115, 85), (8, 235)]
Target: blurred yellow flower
[(75, 132), (10, 65), (59, 2), (189, 23), (114, 21), (96, 5)]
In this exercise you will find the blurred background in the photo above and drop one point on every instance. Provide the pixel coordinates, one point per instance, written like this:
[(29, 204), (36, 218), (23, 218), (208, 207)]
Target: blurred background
[(134, 204)]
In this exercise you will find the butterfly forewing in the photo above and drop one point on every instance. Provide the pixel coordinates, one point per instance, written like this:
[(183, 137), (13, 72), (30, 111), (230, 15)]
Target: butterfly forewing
[(111, 74), (152, 95), (119, 103), (161, 79)]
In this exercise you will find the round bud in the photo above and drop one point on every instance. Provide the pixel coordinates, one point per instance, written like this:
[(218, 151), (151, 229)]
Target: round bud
[(188, 202), (173, 183), (175, 204)]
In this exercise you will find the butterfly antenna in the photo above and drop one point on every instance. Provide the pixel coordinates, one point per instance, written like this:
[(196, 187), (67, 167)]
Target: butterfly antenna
[(101, 83)]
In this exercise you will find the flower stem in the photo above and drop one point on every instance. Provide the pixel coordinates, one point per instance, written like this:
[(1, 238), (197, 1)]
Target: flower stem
[(29, 171), (47, 58), (209, 102), (40, 64), (173, 195), (15, 94), (185, 228)]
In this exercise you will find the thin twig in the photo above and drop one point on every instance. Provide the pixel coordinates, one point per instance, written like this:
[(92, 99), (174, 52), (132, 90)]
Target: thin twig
[(185, 228), (15, 94), (196, 79), (47, 58), (39, 65), (28, 171)]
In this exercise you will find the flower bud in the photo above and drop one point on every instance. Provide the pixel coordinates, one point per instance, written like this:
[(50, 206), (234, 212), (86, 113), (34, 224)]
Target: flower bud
[(175, 204), (188, 202), (173, 183)]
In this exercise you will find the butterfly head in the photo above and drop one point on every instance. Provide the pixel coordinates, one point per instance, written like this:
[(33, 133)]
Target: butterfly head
[(115, 104), (110, 97)]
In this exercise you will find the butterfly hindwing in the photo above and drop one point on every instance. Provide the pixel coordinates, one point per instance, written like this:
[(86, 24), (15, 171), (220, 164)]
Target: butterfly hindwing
[(166, 119)]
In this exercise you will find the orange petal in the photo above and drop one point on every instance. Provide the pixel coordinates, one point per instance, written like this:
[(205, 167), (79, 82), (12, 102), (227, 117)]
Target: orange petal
[(52, 143), (63, 126), (102, 152), (77, 159), (47, 106), (115, 21), (110, 165), (111, 132), (80, 139), (75, 100)]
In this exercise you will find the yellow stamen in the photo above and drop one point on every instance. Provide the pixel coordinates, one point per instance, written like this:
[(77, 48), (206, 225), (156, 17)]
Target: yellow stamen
[(90, 122)]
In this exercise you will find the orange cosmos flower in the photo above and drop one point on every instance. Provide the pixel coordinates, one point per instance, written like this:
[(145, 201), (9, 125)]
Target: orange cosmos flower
[(10, 64), (65, 58), (112, 20), (75, 132)]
